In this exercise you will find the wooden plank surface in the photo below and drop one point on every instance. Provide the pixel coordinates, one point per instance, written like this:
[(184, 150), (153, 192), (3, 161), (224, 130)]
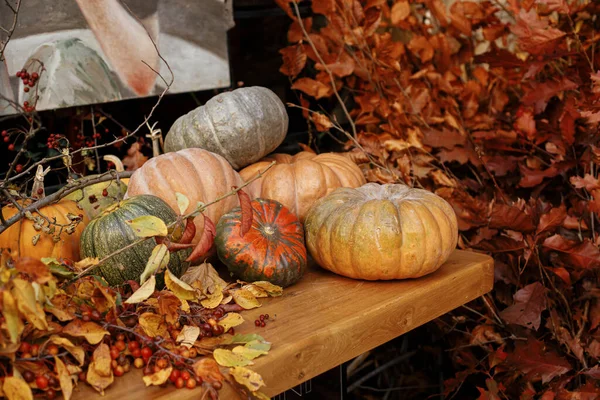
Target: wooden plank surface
[(325, 320)]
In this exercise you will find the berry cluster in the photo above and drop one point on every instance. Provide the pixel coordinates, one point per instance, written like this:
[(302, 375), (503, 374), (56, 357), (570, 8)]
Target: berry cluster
[(262, 320), (29, 80), (54, 141), (46, 382)]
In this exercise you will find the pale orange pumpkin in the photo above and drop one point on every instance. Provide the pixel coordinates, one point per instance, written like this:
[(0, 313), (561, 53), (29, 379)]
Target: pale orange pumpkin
[(300, 180), (381, 232), (25, 240), (198, 174)]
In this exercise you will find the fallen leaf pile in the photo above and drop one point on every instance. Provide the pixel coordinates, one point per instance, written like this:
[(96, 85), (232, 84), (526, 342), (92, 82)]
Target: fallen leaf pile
[(494, 106)]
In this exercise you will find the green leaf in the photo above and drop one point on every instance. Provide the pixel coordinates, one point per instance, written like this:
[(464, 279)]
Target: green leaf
[(227, 358), (259, 345), (182, 202), (148, 226), (143, 292), (56, 268), (158, 259), (250, 354), (246, 338)]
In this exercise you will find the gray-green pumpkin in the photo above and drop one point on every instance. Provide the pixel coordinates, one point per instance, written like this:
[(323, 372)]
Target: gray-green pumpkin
[(243, 126), (110, 232)]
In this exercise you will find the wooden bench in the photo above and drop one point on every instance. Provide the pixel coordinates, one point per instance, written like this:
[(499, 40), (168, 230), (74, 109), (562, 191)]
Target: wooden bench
[(326, 320)]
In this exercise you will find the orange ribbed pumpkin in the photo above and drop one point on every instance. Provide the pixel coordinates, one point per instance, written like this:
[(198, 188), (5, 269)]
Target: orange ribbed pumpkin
[(380, 232), (20, 237), (300, 180), (200, 175)]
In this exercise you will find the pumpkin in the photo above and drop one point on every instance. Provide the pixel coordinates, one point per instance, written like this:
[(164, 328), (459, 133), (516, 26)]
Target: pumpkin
[(27, 237), (110, 232), (300, 180), (91, 198), (272, 250), (243, 126), (200, 175), (380, 232)]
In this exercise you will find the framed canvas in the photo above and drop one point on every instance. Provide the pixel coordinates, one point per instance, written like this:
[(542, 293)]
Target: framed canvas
[(89, 52)]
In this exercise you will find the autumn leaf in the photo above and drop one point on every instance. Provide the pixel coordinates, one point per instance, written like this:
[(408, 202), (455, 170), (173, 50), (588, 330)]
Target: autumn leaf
[(159, 377), (208, 369), (246, 338), (27, 304), (535, 361), (99, 373), (248, 352), (159, 259), (579, 254), (312, 88), (188, 335), (36, 269), (206, 241), (182, 202), (247, 212), (15, 388), (294, 60), (189, 232), (143, 292), (245, 299), (271, 289), (510, 217), (86, 263), (227, 358), (527, 309), (321, 121), (204, 277), (64, 378), (148, 226), (153, 325), (400, 11), (76, 351), (179, 288), (247, 377), (91, 331), (14, 324), (552, 219), (168, 305), (231, 320), (534, 33), (214, 299)]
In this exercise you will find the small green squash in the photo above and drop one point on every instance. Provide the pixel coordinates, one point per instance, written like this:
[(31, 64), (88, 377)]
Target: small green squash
[(110, 232), (272, 250)]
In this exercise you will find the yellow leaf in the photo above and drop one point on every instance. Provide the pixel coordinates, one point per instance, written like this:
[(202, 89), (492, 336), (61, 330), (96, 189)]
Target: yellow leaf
[(76, 351), (185, 307), (99, 374), (273, 290), (212, 343), (148, 226), (182, 202), (203, 277), (213, 300), (64, 377), (248, 353), (11, 315), (247, 377), (247, 338), (15, 388), (260, 396), (158, 259), (154, 325), (158, 378), (85, 263), (143, 292), (208, 369), (27, 304), (179, 288), (188, 335), (226, 299), (231, 320), (227, 358), (91, 331), (245, 299), (256, 291)]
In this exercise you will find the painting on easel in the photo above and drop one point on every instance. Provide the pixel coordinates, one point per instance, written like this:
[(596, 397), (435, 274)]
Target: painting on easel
[(89, 52)]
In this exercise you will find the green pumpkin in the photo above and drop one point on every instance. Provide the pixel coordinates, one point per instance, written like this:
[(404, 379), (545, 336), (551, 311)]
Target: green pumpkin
[(110, 232)]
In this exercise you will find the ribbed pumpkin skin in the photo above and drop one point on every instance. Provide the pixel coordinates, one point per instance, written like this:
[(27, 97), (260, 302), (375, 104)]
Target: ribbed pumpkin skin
[(199, 174), (272, 250), (380, 232), (109, 232), (300, 180), (19, 236), (243, 126)]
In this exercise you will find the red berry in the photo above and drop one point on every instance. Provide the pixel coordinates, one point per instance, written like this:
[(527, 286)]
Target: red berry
[(262, 317), (26, 89), (266, 316), (6, 139), (53, 382), (82, 376), (40, 191), (25, 347), (257, 322), (138, 363), (114, 353), (28, 376), (35, 75), (105, 193), (31, 83), (4, 132), (119, 371), (50, 394), (18, 74), (19, 168), (35, 349), (26, 104), (136, 353), (146, 352), (185, 375), (162, 363), (42, 382), (120, 344), (191, 383), (133, 345), (121, 336), (231, 331), (179, 383), (175, 374), (262, 324), (51, 349), (11, 147)]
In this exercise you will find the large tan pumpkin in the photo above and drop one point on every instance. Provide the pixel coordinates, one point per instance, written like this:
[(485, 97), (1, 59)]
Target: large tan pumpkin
[(300, 180), (200, 175), (380, 232), (243, 126)]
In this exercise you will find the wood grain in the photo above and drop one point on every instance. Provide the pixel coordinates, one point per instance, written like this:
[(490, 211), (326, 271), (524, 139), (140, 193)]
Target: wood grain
[(325, 320)]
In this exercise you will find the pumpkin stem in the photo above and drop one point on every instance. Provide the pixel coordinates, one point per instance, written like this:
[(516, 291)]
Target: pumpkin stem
[(115, 160), (156, 136), (37, 190)]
